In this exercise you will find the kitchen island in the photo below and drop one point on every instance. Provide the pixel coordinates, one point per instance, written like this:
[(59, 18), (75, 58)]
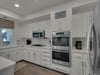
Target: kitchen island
[(6, 66)]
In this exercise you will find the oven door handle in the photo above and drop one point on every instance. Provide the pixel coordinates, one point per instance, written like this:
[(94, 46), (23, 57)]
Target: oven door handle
[(64, 51)]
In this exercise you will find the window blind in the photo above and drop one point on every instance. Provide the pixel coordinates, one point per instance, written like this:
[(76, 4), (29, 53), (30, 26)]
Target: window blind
[(4, 23)]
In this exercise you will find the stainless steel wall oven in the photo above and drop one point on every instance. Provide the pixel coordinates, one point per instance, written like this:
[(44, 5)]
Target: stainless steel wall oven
[(61, 48)]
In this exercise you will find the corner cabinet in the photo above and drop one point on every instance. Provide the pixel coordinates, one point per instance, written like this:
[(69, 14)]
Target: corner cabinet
[(79, 64)]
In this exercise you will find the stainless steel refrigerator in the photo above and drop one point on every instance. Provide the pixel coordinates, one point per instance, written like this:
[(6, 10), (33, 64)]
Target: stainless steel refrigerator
[(93, 42)]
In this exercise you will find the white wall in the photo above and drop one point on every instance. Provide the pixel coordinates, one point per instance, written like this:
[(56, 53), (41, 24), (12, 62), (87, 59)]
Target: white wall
[(17, 32)]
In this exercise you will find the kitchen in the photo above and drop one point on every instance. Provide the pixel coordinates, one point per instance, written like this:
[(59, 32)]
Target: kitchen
[(45, 39)]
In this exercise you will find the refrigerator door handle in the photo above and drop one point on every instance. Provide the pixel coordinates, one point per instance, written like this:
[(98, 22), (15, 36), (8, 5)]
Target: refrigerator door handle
[(88, 45)]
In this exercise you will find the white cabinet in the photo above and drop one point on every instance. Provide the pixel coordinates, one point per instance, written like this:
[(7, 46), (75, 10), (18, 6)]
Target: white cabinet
[(19, 54), (61, 25), (5, 54), (46, 58), (15, 54), (32, 55), (26, 54), (37, 57), (79, 64), (64, 24), (7, 71), (80, 23), (85, 65), (48, 30)]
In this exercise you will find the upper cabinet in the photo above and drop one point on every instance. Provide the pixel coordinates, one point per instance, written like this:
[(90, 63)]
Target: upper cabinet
[(81, 16), (56, 21), (61, 20), (80, 23)]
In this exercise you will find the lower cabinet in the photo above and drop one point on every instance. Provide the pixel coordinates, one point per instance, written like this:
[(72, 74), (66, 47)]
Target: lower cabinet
[(85, 65), (32, 55), (4, 54), (38, 56), (79, 65), (14, 54), (46, 58)]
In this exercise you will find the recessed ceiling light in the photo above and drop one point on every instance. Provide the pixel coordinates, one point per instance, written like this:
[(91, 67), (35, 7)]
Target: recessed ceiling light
[(16, 5)]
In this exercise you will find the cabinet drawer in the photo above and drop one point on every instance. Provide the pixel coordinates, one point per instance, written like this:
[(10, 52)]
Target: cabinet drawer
[(46, 59), (45, 52), (46, 56)]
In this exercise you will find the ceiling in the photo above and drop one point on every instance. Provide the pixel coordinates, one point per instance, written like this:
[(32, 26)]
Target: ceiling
[(28, 6), (84, 8)]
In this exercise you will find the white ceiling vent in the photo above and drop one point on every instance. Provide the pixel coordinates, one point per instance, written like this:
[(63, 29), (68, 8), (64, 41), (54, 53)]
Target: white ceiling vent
[(60, 15)]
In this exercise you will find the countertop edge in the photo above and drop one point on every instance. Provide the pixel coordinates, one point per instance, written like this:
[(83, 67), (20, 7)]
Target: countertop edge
[(6, 63)]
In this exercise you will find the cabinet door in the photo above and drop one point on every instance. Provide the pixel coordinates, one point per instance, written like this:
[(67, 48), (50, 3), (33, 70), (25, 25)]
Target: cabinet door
[(55, 26), (19, 55), (46, 58), (5, 55), (26, 55), (9, 54), (13, 55), (38, 58), (33, 56), (77, 62), (80, 24), (65, 25), (85, 65)]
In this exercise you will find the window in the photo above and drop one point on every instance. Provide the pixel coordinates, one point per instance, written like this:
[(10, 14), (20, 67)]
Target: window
[(6, 36)]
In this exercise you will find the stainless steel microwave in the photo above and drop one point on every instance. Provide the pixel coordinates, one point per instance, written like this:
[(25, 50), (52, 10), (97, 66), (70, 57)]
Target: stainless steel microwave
[(38, 34)]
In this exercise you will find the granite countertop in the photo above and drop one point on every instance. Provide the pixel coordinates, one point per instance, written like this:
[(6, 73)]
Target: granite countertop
[(5, 63)]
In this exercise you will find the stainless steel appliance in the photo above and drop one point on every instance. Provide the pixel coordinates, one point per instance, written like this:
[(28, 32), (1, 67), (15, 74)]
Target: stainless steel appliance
[(61, 48), (93, 42), (38, 34)]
